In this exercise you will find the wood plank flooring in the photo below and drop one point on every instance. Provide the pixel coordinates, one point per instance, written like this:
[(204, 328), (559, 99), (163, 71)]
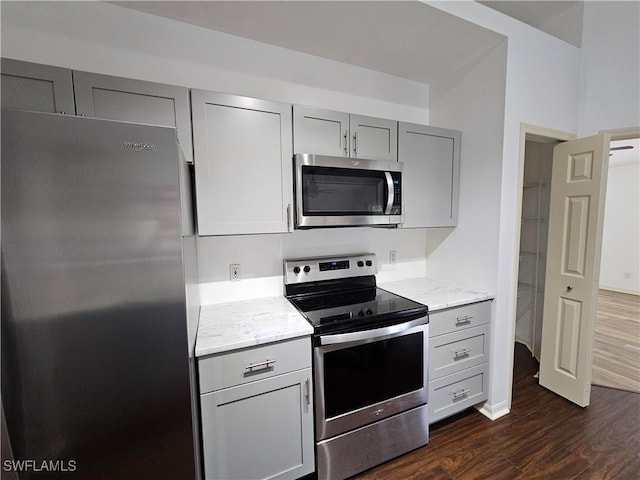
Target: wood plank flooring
[(616, 348), (544, 437)]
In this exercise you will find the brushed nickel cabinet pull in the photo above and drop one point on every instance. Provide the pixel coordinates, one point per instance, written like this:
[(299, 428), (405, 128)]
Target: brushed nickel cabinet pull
[(462, 393), (307, 391), (458, 354), (252, 367), (466, 320)]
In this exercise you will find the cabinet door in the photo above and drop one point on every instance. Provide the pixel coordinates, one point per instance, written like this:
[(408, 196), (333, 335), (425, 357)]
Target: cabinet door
[(263, 429), (431, 158), (38, 88), (320, 132), (373, 138), (243, 164), (116, 98)]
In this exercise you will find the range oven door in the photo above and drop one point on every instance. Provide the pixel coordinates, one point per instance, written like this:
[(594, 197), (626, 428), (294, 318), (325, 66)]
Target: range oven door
[(362, 377), (336, 191)]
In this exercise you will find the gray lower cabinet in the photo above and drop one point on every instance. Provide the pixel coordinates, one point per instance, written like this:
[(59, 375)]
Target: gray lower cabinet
[(431, 158), (458, 358), (339, 134), (257, 422), (127, 100), (243, 164), (35, 87)]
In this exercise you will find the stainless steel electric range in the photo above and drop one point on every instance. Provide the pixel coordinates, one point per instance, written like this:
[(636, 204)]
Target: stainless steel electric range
[(370, 363)]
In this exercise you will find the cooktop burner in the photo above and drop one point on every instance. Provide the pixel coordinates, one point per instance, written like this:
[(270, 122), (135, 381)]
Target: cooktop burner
[(340, 294)]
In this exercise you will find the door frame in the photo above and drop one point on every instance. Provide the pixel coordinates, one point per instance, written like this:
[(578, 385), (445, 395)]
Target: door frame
[(533, 132)]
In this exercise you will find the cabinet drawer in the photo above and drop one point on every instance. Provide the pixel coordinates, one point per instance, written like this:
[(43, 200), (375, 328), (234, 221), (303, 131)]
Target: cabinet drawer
[(454, 393), (456, 351), (255, 363), (459, 318)]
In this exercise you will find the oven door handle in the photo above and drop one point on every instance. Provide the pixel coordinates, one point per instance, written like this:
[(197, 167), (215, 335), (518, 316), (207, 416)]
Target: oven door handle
[(370, 334)]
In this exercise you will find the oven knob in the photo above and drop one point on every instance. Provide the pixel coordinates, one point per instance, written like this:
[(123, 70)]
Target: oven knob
[(296, 270), (360, 263), (307, 269), (369, 263), (369, 312), (361, 313)]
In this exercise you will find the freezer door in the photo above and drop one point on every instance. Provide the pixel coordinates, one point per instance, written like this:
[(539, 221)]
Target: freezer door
[(95, 366)]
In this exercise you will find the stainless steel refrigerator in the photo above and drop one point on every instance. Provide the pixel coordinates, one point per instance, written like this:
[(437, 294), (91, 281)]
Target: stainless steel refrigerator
[(99, 305)]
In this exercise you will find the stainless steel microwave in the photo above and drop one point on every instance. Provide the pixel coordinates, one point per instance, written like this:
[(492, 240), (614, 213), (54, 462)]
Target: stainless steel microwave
[(341, 192)]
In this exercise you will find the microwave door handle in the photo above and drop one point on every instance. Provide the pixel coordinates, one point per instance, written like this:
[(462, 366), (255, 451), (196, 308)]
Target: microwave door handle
[(390, 194)]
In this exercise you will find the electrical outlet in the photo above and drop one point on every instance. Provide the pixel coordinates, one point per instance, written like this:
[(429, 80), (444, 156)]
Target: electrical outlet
[(234, 272), (392, 257)]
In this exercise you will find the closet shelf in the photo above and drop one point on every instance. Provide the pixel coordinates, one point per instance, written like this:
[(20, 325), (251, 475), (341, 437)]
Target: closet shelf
[(525, 298), (541, 183)]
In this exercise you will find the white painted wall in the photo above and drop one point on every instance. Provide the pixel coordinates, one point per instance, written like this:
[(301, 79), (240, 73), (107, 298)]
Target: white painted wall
[(473, 102), (104, 38), (621, 236), (610, 67), (541, 89)]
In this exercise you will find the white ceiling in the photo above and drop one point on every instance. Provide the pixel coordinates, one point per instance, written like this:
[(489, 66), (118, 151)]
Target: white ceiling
[(407, 39), (558, 18)]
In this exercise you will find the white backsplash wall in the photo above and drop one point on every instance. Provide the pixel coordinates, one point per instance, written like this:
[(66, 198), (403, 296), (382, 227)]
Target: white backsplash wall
[(260, 257)]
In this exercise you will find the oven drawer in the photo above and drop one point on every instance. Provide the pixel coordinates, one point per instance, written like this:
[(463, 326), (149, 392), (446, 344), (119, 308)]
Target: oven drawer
[(459, 318), (453, 393), (253, 363), (456, 351)]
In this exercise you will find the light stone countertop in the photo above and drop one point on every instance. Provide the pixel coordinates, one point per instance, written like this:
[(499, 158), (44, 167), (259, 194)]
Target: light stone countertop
[(245, 323), (230, 326), (436, 294)]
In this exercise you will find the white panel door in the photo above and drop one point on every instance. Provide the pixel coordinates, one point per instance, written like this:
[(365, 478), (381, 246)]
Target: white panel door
[(243, 164), (573, 261), (373, 138)]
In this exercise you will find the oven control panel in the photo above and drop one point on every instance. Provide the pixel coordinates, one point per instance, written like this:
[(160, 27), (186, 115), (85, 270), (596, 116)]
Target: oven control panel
[(329, 268)]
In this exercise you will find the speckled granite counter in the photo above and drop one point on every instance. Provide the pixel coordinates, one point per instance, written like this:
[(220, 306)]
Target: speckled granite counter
[(229, 326), (436, 294)]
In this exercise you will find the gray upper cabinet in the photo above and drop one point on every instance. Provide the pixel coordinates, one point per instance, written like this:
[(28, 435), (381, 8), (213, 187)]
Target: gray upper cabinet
[(243, 164), (128, 100), (373, 138), (431, 158), (35, 87), (321, 132), (327, 132)]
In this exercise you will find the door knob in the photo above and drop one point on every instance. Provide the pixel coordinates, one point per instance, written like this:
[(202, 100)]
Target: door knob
[(569, 288)]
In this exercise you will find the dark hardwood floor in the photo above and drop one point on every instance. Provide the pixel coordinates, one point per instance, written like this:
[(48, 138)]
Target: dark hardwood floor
[(544, 436)]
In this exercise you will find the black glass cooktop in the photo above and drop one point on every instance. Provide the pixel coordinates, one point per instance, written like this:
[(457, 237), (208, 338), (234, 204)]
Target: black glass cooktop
[(356, 309)]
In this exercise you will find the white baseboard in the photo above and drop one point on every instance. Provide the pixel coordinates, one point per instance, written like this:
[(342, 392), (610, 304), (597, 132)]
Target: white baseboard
[(619, 290), (524, 342), (493, 412)]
